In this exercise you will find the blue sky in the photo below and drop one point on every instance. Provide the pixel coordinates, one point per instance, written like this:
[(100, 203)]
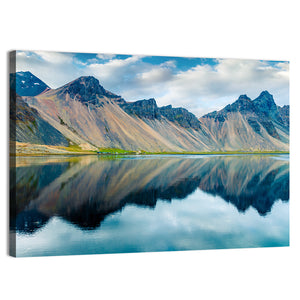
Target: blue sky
[(199, 84)]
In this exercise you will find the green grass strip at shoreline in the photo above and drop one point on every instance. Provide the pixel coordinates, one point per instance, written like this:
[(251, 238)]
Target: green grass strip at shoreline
[(76, 150), (217, 152), (115, 151)]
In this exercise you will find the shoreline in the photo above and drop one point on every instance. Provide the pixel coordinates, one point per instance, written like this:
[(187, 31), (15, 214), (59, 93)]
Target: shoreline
[(26, 149), (150, 153)]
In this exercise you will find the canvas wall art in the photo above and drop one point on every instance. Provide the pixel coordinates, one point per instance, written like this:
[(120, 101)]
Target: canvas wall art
[(132, 153)]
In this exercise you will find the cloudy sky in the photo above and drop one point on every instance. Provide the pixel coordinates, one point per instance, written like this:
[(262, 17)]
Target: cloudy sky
[(199, 84)]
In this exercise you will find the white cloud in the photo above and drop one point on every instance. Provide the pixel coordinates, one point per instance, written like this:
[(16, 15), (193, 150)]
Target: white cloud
[(200, 89), (55, 57), (106, 56), (114, 67), (132, 77), (205, 88), (55, 69), (155, 75)]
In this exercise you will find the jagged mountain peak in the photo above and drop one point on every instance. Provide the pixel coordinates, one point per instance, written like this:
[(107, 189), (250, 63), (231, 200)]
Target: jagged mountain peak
[(86, 89), (244, 116), (244, 97), (242, 104), (266, 106), (265, 98), (146, 108), (84, 85), (150, 101), (86, 80), (265, 94), (27, 84)]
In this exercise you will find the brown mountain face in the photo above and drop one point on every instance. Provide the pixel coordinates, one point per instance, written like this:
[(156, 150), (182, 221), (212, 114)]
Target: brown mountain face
[(89, 116), (86, 114), (26, 125), (250, 125)]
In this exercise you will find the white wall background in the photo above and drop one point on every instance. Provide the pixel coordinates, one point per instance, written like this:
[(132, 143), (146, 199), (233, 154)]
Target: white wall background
[(234, 29)]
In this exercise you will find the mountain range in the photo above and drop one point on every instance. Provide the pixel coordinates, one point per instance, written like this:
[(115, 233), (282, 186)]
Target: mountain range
[(85, 114)]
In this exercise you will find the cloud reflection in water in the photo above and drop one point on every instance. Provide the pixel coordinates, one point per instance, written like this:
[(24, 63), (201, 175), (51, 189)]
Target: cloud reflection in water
[(155, 204)]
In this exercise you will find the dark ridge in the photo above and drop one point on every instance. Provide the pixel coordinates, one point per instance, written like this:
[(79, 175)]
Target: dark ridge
[(254, 124), (244, 97), (211, 115), (262, 110), (269, 126), (87, 90), (181, 116), (265, 106), (284, 112), (243, 104), (148, 109), (143, 109)]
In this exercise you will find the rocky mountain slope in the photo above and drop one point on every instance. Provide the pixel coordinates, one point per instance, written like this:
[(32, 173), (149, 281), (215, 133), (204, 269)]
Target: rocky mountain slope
[(86, 114), (27, 125), (250, 124), (284, 113)]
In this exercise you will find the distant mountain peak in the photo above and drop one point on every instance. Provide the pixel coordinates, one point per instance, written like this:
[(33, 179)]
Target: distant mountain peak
[(244, 97), (87, 80), (266, 105), (265, 93), (27, 84), (86, 89), (266, 97), (242, 104)]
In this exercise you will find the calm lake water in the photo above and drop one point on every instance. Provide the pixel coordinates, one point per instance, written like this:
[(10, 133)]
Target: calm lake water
[(90, 204)]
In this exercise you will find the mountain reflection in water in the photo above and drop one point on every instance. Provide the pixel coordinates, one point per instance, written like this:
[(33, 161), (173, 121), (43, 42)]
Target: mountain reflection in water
[(84, 190)]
